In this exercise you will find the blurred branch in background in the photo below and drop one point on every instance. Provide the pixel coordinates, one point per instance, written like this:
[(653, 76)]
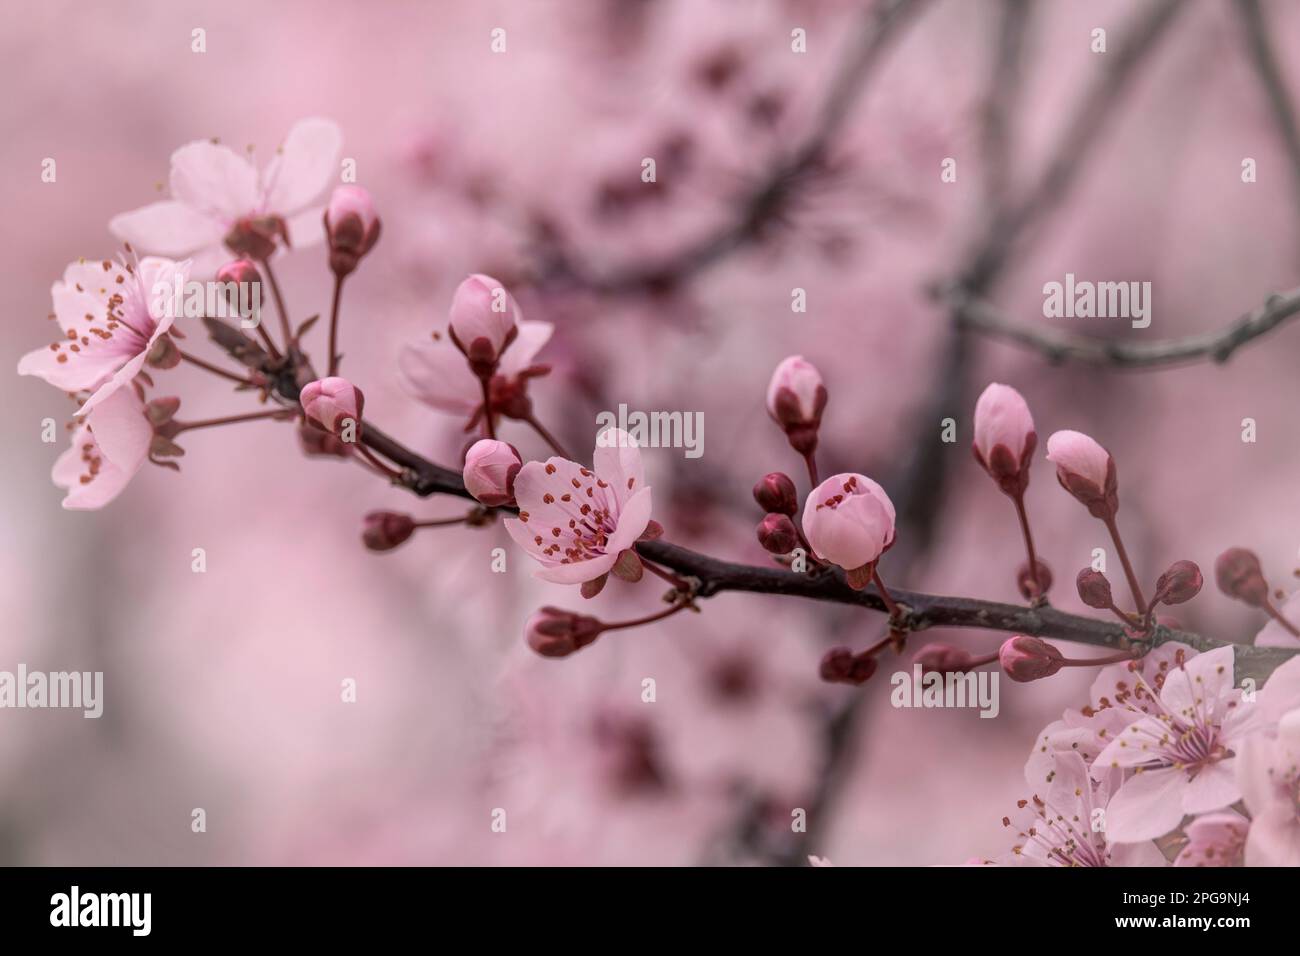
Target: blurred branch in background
[(1270, 77)]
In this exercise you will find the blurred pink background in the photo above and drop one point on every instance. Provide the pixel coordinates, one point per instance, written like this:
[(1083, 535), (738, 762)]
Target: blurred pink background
[(222, 689)]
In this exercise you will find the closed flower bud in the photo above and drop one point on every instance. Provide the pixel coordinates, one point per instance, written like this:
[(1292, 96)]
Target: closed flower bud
[(840, 665), (553, 632), (351, 227), (1094, 589), (490, 469), (1004, 437), (796, 398), (1180, 583), (332, 403), (1085, 470), (241, 285), (1025, 580), (1239, 576), (483, 321), (385, 530), (1027, 659), (776, 493), (777, 534), (943, 659)]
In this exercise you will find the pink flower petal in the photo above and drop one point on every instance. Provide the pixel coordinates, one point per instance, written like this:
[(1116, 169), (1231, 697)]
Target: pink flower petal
[(436, 373), (1148, 805), (167, 227), (617, 460), (303, 167), (214, 180)]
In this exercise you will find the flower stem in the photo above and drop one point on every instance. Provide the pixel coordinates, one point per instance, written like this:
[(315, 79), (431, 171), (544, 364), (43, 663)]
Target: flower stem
[(1096, 661), (547, 436), (281, 413), (441, 522), (895, 611), (650, 618), (215, 370), (1029, 544), (489, 430), (334, 325), (279, 303), (680, 583), (1133, 585), (391, 473), (811, 461), (1276, 615)]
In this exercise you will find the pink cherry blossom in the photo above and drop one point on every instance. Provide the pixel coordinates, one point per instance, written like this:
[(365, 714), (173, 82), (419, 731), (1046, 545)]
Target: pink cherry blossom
[(1183, 754), (1067, 823), (108, 448), (216, 193), (577, 521), (1268, 771), (1004, 436), (849, 520), (483, 318), (111, 314), (1215, 839), (332, 402), (436, 373), (490, 470)]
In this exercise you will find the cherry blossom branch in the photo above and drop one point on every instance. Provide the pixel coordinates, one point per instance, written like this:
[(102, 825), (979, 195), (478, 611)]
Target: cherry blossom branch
[(1059, 348)]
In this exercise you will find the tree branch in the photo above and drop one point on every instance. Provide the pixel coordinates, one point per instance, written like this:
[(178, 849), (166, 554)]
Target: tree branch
[(1060, 348), (1270, 77)]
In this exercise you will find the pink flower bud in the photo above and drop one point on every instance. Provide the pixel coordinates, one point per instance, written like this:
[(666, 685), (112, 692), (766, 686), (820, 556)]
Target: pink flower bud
[(332, 403), (1180, 583), (483, 317), (351, 227), (849, 521), (776, 493), (1085, 470), (1004, 437), (1025, 580), (1027, 659), (796, 398), (840, 665), (1239, 576), (943, 659), (777, 534), (1094, 589), (385, 530), (553, 632), (490, 469)]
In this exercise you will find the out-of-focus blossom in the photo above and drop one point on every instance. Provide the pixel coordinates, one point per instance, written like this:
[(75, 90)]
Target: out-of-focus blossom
[(1085, 470), (112, 315), (108, 448), (849, 521), (943, 659), (577, 521), (436, 372), (1215, 839), (1239, 575), (1004, 437), (1273, 634), (221, 203), (1268, 772)]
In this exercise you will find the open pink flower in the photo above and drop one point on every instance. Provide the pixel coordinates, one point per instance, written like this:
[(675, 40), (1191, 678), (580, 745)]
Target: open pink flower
[(1004, 437), (849, 520), (220, 198), (107, 450), (577, 521), (111, 314), (1182, 756), (437, 374), (1067, 823)]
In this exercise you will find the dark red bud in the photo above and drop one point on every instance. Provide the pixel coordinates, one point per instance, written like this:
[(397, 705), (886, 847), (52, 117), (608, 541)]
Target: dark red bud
[(777, 534), (1239, 576), (1094, 589), (385, 530), (1025, 659), (775, 492), (1180, 583), (840, 665)]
